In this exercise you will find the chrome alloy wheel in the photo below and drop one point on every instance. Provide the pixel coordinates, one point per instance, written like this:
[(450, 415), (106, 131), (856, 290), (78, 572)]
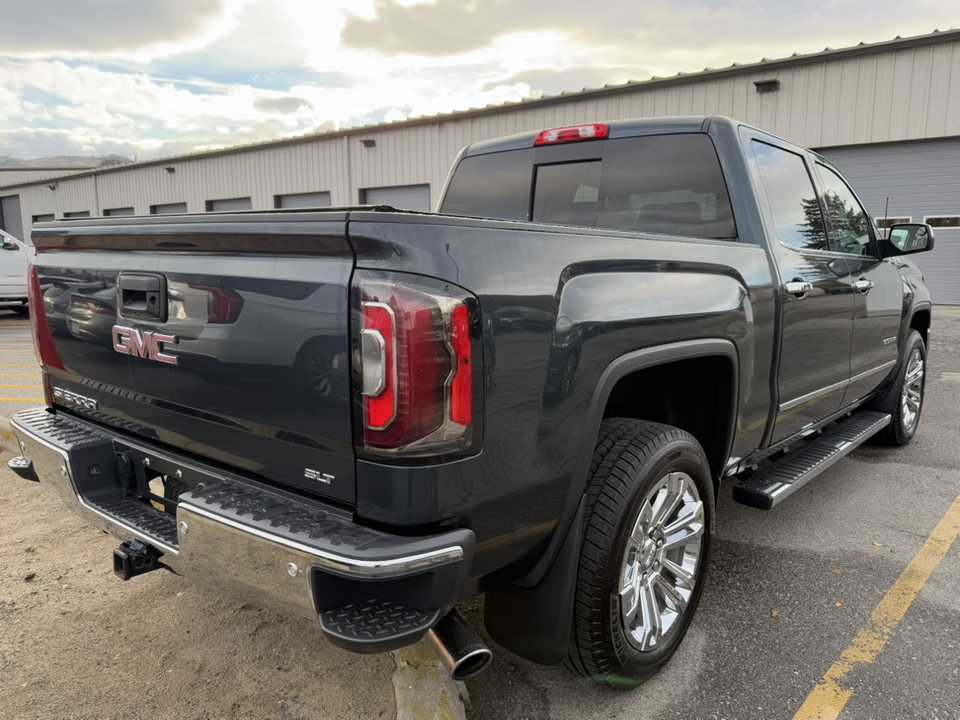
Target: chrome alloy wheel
[(912, 394), (661, 560)]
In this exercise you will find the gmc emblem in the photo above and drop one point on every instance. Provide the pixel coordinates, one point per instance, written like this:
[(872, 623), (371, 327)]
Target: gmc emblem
[(131, 341)]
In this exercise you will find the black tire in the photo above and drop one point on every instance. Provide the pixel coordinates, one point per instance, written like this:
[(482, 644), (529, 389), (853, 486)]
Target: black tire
[(22, 309), (904, 399), (632, 461)]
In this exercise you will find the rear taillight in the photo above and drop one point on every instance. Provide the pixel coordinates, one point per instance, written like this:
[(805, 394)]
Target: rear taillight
[(43, 345), (415, 366), (223, 305), (577, 133)]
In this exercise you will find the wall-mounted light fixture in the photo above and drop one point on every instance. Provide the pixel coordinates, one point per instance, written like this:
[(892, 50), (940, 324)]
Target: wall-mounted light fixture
[(765, 86), (170, 169), (368, 143), (52, 186)]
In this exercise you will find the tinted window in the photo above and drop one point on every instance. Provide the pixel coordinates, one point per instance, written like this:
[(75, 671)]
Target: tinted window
[(496, 185), (849, 222), (567, 194), (792, 198)]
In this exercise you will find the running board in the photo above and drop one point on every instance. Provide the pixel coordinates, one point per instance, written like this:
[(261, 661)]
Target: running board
[(777, 482)]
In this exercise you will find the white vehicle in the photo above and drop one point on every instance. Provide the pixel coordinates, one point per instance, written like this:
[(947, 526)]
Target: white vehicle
[(15, 259)]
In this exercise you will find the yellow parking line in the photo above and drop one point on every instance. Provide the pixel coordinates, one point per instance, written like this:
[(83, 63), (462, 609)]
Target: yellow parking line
[(828, 699), (19, 374), (23, 400), (33, 387), (8, 367)]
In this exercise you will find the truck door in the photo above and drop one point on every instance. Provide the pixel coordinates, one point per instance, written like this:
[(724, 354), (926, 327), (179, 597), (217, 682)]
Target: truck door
[(878, 289), (816, 294), (13, 268)]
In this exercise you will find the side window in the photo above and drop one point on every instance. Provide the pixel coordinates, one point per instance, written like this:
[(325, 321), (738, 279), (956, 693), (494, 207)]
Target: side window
[(496, 185), (848, 222), (792, 197)]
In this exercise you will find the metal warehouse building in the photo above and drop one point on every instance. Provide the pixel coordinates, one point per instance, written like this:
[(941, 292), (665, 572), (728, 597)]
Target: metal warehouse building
[(888, 114)]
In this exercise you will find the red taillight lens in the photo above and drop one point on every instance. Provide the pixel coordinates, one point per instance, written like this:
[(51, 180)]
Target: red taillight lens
[(43, 345), (577, 133), (461, 395), (415, 366), (223, 305)]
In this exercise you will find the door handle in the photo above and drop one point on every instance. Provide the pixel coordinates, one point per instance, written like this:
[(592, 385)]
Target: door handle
[(798, 288), (862, 286)]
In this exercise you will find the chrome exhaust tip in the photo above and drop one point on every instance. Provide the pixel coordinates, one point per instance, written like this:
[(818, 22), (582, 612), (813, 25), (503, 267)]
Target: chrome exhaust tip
[(458, 646)]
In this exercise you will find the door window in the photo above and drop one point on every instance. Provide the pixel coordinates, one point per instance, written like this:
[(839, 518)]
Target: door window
[(849, 223), (792, 198)]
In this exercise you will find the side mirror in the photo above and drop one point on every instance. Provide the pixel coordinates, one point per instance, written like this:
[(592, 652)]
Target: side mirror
[(907, 239), (7, 245)]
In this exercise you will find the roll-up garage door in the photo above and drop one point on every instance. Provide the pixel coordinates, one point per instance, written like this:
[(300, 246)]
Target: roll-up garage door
[(10, 219), (242, 203), (168, 209), (403, 197), (922, 181), (302, 200)]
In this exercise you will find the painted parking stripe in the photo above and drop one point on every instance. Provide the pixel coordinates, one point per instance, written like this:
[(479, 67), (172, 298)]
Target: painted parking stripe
[(23, 387), (19, 374), (23, 400), (828, 699)]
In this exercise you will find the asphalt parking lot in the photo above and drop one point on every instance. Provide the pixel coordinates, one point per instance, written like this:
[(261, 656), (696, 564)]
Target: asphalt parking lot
[(853, 578)]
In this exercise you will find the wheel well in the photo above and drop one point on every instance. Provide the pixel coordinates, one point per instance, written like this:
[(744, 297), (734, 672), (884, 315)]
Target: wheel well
[(695, 395), (921, 323)]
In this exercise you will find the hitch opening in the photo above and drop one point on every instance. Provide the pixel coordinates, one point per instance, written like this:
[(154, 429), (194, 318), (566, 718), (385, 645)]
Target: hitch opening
[(134, 558)]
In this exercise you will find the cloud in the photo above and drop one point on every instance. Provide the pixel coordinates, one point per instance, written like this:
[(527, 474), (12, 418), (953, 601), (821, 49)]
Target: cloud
[(282, 105), (84, 27)]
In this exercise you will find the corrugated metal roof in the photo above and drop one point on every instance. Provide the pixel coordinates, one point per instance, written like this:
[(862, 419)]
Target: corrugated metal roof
[(898, 43)]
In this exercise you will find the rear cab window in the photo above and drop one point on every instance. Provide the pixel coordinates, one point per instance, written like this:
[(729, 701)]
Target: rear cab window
[(664, 184)]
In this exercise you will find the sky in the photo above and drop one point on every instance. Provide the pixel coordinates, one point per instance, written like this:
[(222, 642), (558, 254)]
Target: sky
[(166, 77)]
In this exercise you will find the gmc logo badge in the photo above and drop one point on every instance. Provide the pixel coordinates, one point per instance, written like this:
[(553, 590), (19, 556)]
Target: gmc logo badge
[(131, 341)]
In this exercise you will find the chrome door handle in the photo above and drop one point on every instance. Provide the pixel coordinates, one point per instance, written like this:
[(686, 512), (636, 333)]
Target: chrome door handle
[(862, 286), (798, 287)]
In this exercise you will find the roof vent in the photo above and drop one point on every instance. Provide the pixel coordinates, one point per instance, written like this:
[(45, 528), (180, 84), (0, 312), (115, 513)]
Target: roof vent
[(765, 86)]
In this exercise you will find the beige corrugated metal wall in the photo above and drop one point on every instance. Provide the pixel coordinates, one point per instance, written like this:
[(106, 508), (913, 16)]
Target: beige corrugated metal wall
[(902, 91)]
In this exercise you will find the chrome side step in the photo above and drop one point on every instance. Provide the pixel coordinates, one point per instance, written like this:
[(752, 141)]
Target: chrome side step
[(784, 477)]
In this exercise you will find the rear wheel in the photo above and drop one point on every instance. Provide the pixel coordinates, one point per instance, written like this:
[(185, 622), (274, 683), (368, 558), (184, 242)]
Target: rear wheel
[(645, 550), (22, 309)]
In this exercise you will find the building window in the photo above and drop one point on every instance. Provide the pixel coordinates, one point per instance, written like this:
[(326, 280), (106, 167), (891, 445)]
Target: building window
[(168, 209), (49, 217), (943, 221), (118, 211), (242, 203), (78, 214), (302, 200), (884, 223)]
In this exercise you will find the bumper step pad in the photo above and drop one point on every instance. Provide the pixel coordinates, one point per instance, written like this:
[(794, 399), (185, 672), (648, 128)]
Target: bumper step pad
[(376, 620), (768, 487)]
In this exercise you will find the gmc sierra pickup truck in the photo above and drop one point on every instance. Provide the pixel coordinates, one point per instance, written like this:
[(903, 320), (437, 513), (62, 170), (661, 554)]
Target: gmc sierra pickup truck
[(364, 416)]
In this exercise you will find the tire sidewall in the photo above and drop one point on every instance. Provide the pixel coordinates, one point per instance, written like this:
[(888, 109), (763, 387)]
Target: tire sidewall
[(683, 456)]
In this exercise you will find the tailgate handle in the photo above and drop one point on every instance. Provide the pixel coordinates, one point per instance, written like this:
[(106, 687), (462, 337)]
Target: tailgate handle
[(143, 295)]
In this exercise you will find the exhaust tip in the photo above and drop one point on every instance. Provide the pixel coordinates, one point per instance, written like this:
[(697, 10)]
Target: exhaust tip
[(458, 646), (472, 664)]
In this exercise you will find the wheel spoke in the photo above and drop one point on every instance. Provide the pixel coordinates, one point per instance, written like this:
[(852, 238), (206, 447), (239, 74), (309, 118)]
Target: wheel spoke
[(629, 598), (670, 593), (685, 528), (668, 500), (682, 576), (650, 612)]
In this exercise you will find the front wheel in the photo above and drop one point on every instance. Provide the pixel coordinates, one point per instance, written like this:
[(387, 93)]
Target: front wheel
[(645, 550), (904, 401)]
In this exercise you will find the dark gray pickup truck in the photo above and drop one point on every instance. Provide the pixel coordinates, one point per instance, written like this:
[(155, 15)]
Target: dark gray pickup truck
[(364, 416)]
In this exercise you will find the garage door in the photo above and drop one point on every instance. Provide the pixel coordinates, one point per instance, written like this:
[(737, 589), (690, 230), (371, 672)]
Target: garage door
[(404, 197), (10, 219), (230, 204), (922, 180), (302, 200)]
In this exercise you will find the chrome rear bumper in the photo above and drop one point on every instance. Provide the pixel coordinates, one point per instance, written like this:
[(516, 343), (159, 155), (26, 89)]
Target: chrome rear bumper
[(253, 542)]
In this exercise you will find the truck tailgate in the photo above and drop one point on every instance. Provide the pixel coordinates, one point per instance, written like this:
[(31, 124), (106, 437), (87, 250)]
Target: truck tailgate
[(223, 336)]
